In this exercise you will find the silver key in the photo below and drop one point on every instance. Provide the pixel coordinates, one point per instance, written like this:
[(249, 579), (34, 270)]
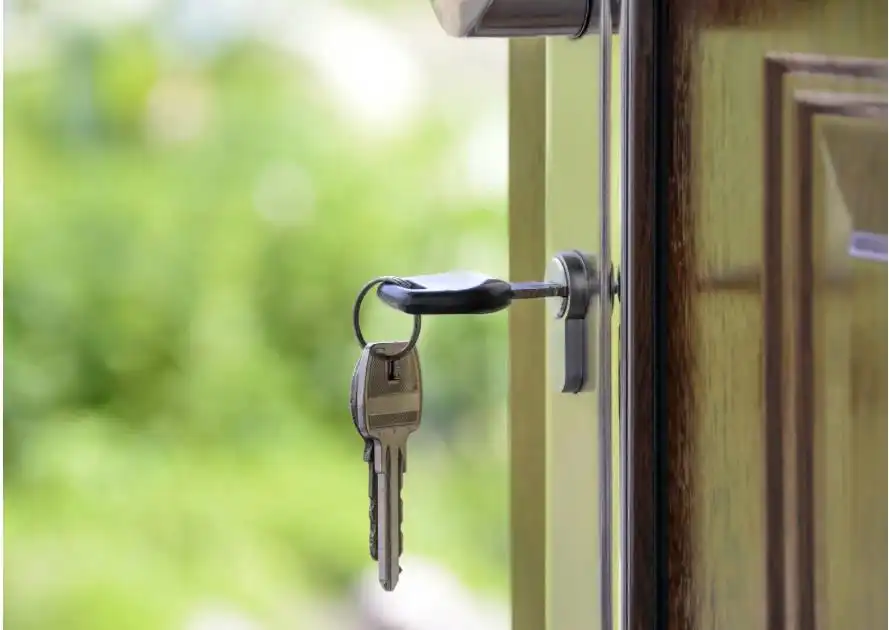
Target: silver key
[(389, 399)]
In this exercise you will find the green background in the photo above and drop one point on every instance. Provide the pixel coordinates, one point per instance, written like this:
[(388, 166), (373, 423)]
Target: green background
[(178, 341)]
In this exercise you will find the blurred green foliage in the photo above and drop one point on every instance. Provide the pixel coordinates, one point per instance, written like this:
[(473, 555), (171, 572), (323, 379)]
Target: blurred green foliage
[(178, 340)]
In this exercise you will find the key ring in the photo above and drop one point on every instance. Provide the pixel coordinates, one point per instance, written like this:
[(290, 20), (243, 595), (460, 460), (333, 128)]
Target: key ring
[(356, 315)]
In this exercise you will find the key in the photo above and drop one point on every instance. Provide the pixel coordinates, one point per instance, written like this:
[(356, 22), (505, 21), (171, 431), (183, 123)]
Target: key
[(388, 404), (461, 293), (388, 397), (368, 457)]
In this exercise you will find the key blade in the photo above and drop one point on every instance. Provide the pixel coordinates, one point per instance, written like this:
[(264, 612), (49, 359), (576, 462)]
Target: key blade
[(390, 508), (372, 541), (355, 393)]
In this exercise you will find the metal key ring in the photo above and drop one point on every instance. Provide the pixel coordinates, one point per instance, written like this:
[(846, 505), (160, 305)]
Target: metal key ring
[(356, 315)]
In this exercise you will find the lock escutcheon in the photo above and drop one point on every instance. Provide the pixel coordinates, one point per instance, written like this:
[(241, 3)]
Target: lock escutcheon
[(573, 370)]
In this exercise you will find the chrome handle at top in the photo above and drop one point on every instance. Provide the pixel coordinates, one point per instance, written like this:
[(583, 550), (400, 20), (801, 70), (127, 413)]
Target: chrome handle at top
[(522, 18)]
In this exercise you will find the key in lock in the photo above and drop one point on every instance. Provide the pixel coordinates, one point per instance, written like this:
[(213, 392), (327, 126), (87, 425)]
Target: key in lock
[(571, 285)]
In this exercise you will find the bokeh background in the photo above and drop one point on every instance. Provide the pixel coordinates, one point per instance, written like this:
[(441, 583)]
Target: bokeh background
[(194, 192)]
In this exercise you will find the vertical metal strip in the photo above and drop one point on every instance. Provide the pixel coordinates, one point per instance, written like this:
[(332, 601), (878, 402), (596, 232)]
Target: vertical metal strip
[(605, 307), (624, 330)]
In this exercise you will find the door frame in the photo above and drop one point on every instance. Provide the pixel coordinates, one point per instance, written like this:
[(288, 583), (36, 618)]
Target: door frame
[(539, 572), (554, 469), (527, 340), (645, 66)]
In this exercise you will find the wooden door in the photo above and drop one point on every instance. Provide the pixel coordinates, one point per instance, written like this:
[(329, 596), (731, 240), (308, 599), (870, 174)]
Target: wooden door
[(750, 425), (758, 439)]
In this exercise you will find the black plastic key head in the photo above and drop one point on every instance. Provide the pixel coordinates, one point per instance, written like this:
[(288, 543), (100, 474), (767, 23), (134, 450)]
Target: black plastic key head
[(451, 293)]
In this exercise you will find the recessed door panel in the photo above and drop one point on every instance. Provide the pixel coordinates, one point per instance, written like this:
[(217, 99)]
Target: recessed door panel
[(766, 484), (840, 324)]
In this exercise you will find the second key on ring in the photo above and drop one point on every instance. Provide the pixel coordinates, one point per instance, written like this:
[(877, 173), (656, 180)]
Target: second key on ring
[(389, 403)]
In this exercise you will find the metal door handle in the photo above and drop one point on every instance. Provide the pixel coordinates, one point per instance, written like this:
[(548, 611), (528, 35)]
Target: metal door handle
[(521, 18)]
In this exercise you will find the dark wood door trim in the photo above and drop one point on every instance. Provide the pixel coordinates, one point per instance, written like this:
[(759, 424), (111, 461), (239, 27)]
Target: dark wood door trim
[(643, 329)]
